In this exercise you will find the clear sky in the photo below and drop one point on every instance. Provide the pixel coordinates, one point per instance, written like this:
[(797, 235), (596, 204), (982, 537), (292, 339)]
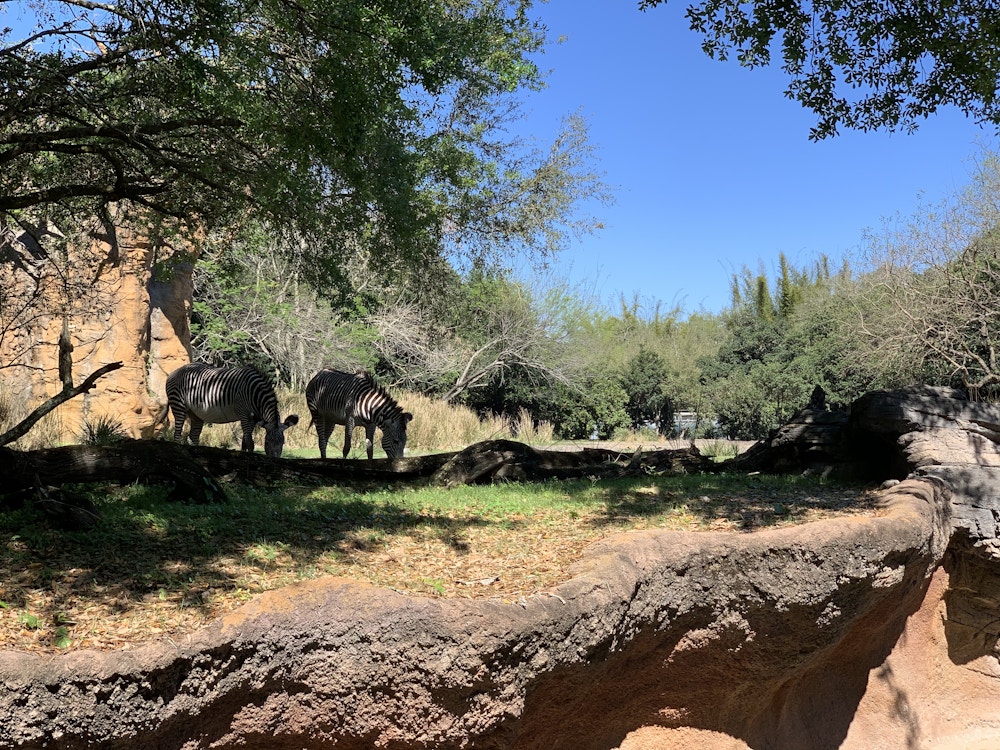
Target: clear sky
[(711, 165)]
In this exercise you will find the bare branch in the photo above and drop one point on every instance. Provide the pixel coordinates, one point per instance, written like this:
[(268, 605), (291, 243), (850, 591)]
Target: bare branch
[(24, 426)]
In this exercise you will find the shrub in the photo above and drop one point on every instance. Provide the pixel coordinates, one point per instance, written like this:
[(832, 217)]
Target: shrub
[(106, 431)]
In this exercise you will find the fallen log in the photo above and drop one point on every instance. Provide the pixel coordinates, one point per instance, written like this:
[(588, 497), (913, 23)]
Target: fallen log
[(508, 460), (27, 473), (195, 471)]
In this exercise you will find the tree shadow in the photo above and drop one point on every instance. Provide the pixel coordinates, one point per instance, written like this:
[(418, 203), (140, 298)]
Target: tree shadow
[(902, 710), (732, 501), (151, 555), (148, 552)]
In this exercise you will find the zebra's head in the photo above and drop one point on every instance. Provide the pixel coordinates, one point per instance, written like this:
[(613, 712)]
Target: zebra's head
[(274, 435), (394, 434)]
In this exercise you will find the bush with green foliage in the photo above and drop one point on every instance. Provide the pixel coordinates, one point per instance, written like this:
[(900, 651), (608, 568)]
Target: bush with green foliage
[(643, 379)]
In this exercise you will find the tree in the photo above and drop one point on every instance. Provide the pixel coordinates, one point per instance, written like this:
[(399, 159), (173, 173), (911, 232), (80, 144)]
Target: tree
[(778, 347), (519, 200), (502, 328), (595, 405), (642, 379), (931, 303), (253, 305), (311, 115), (864, 65)]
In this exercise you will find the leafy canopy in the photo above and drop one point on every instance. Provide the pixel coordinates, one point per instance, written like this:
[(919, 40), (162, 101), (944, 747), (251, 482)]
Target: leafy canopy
[(864, 65), (309, 113)]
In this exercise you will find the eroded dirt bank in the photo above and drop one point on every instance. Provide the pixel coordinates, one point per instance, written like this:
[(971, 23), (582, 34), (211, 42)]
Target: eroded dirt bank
[(847, 633), (918, 697), (766, 637)]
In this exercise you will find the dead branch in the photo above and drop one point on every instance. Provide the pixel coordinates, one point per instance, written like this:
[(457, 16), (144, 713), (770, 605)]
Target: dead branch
[(24, 426)]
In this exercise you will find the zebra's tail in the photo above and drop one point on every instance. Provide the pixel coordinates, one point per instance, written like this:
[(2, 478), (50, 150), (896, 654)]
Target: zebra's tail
[(162, 417)]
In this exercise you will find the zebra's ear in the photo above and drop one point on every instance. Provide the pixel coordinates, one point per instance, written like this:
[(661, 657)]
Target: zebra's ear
[(291, 420)]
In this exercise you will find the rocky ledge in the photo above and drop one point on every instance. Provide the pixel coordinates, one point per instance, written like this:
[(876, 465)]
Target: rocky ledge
[(848, 633)]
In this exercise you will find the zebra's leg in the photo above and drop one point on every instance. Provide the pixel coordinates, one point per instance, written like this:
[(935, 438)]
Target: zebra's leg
[(196, 424), (348, 431), (180, 414), (370, 439), (248, 423), (315, 420), (324, 428)]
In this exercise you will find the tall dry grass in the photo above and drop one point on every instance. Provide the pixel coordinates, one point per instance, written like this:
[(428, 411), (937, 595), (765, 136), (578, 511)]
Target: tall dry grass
[(47, 432), (440, 426), (436, 426)]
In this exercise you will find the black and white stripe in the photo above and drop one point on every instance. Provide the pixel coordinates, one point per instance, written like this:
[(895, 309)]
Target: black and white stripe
[(336, 397), (201, 393)]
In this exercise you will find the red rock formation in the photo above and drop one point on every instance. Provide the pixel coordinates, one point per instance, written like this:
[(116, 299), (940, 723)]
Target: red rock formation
[(129, 302)]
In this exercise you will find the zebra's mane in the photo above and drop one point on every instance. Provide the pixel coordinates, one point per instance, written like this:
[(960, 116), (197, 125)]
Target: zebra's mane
[(377, 387)]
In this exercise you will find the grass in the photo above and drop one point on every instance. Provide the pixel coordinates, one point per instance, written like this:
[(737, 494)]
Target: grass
[(156, 569), (436, 426)]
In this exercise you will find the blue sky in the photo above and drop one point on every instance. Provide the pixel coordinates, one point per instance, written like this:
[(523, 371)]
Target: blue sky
[(710, 164)]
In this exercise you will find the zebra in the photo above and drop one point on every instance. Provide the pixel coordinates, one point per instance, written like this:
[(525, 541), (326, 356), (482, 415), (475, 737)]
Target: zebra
[(203, 394), (336, 397)]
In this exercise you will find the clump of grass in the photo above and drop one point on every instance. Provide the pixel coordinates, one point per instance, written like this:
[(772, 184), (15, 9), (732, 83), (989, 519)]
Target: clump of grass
[(527, 431), (720, 450), (438, 425), (47, 432), (105, 431), (8, 408)]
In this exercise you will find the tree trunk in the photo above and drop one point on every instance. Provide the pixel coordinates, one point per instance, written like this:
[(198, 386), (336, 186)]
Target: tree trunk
[(195, 471)]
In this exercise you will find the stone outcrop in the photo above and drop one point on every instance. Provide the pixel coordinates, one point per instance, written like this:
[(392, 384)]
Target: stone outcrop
[(738, 634), (859, 632), (124, 301), (939, 433)]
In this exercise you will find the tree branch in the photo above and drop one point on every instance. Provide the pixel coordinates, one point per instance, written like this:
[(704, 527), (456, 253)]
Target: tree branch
[(24, 426)]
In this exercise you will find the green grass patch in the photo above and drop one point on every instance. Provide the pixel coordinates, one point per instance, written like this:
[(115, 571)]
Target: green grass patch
[(153, 567)]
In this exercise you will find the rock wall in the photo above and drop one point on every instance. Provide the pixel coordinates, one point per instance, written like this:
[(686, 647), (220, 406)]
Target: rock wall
[(850, 633), (742, 635), (941, 434), (127, 302)]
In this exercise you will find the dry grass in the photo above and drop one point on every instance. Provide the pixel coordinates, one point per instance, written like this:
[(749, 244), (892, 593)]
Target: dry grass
[(436, 426), (440, 426), (154, 569), (47, 432)]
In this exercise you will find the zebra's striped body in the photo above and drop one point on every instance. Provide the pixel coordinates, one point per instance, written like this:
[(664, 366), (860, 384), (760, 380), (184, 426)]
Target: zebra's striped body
[(201, 393), (336, 397)]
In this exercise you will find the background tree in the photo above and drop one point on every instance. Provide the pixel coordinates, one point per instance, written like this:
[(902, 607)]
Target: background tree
[(779, 345), (592, 406), (932, 299), (211, 113), (517, 203), (254, 305), (642, 379), (504, 329), (864, 65)]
